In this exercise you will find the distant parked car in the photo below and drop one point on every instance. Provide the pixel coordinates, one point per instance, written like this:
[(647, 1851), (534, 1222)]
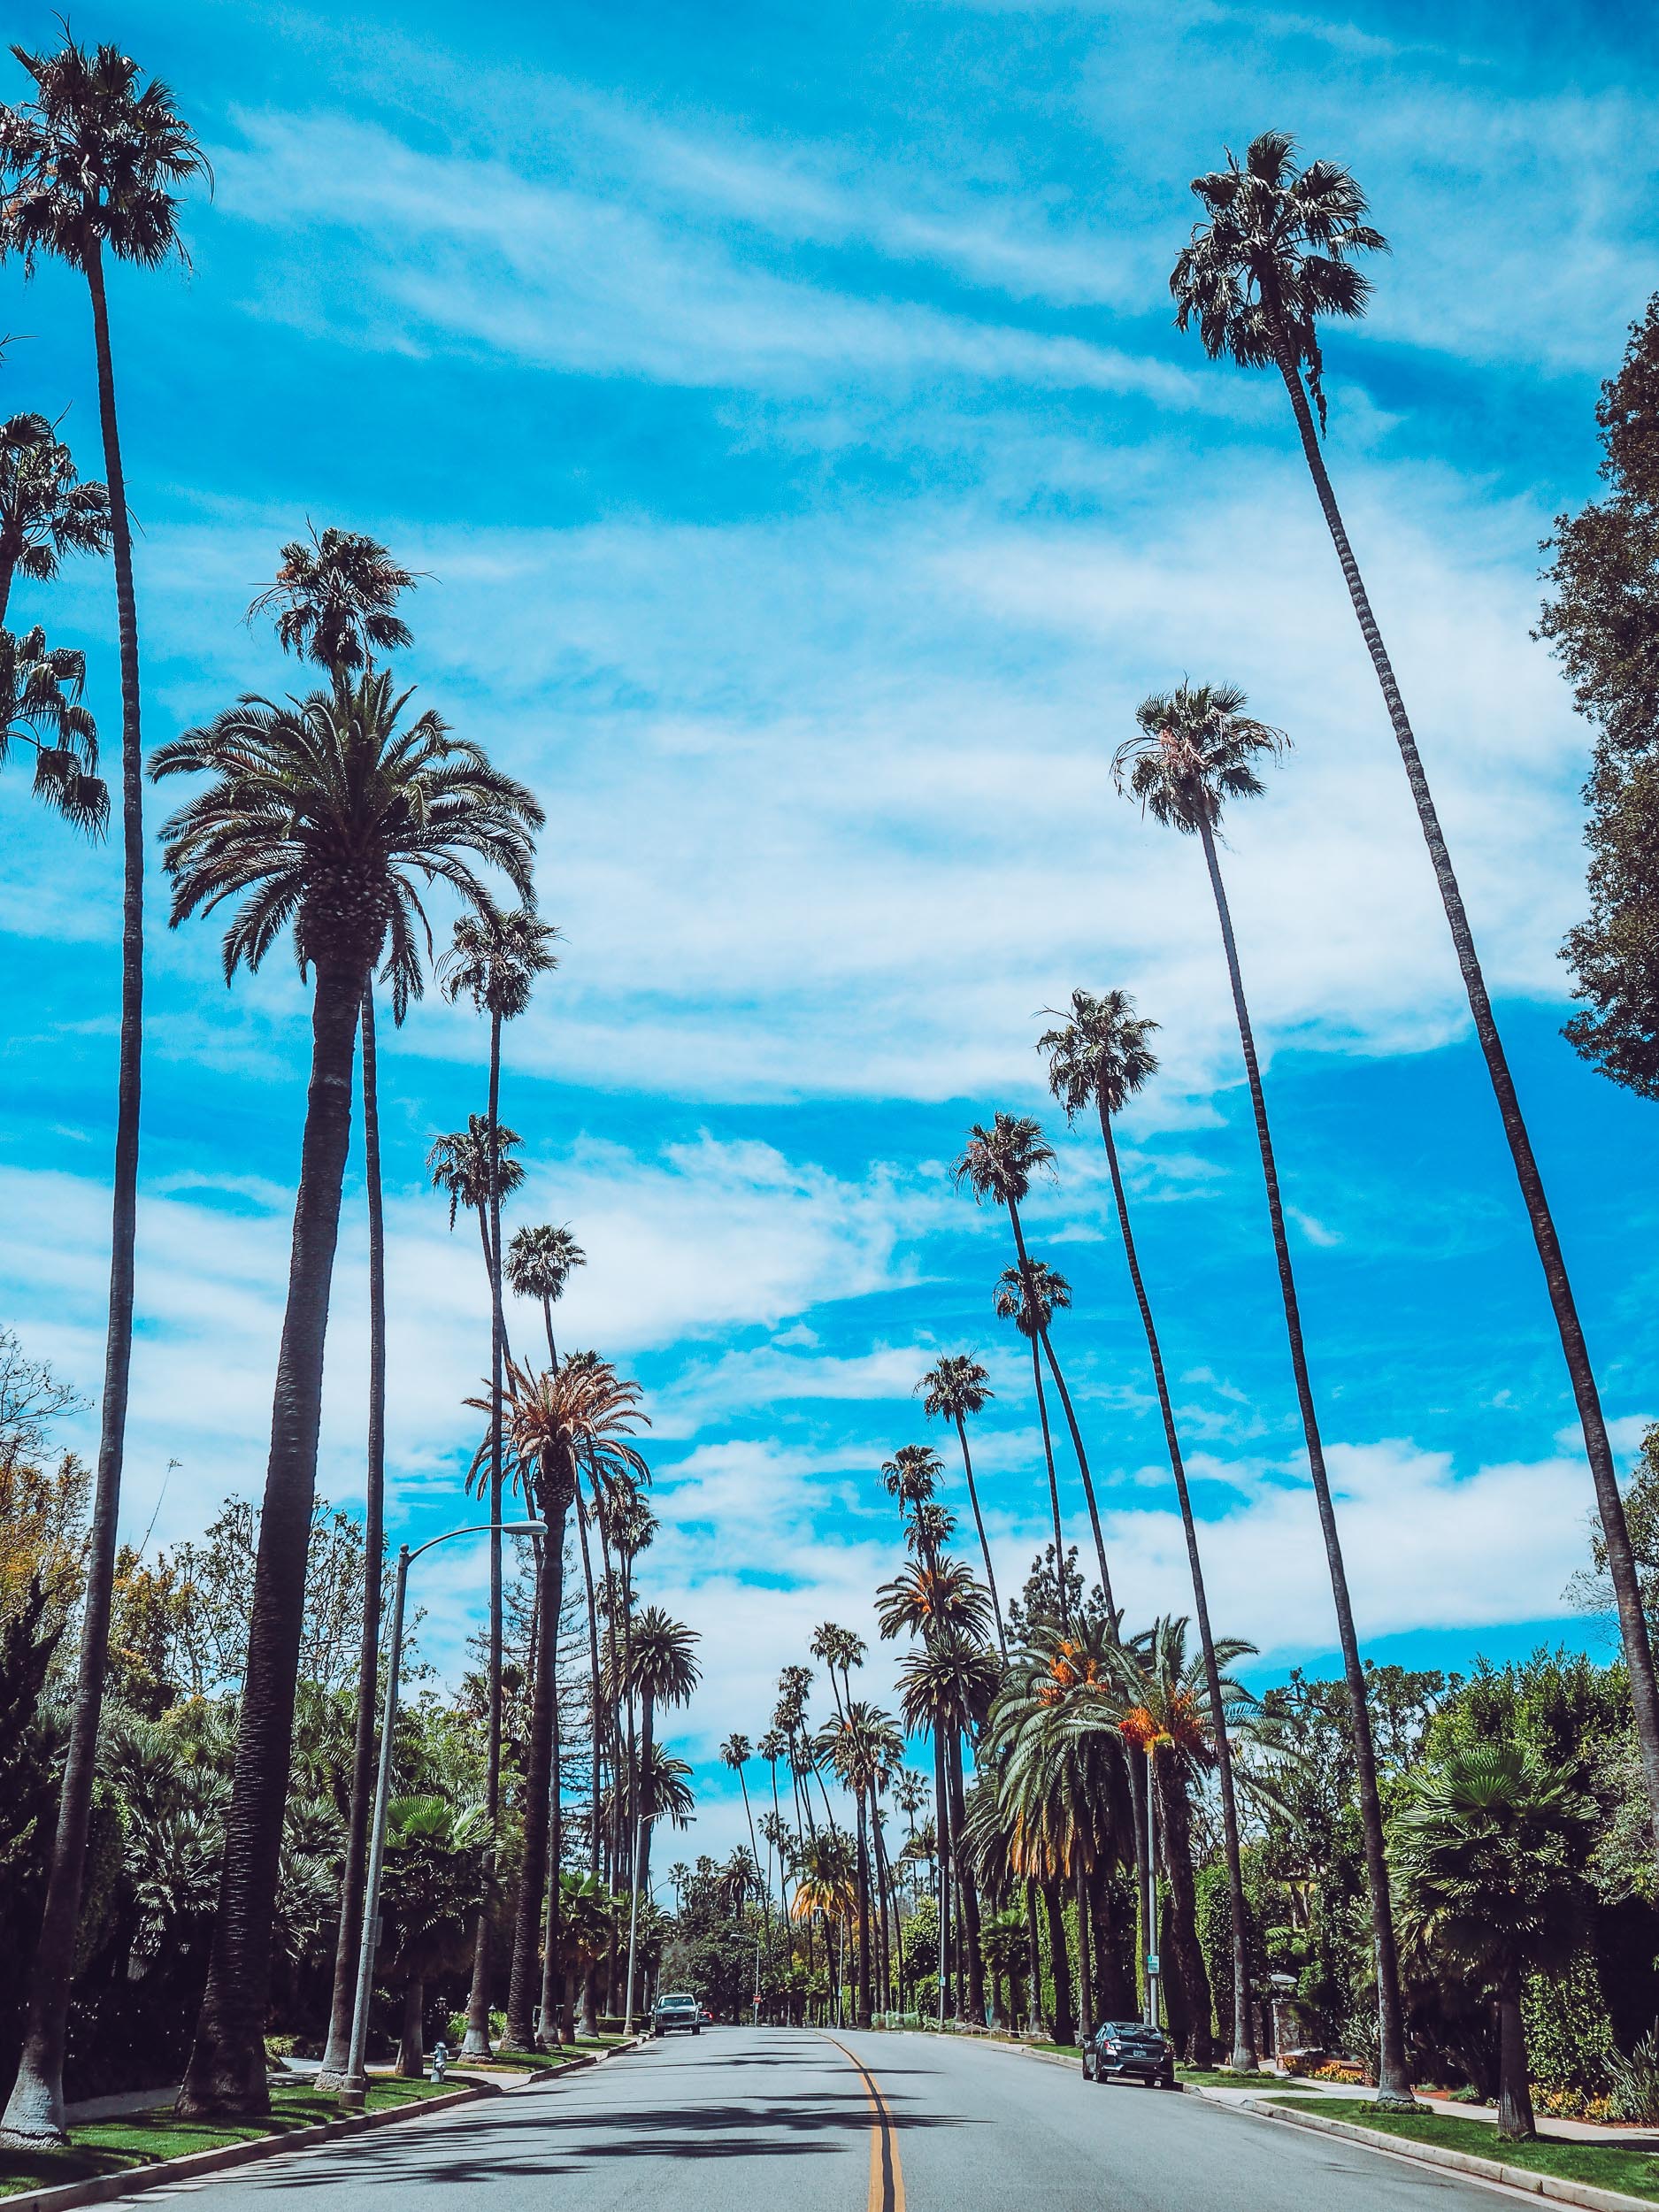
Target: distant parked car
[(679, 2011), (1129, 2050), (708, 2019)]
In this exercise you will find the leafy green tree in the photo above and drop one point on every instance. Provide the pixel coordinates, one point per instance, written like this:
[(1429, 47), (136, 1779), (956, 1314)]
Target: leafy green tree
[(1275, 254), (320, 814), (435, 1877), (1614, 954), (1488, 1848), (1196, 750), (45, 509), (89, 165), (1099, 1059)]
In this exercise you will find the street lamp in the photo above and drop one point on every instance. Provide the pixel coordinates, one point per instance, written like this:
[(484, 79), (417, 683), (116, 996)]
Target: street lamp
[(356, 2084)]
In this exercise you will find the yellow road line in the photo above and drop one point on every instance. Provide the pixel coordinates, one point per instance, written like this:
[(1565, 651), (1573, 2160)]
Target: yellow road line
[(886, 2176)]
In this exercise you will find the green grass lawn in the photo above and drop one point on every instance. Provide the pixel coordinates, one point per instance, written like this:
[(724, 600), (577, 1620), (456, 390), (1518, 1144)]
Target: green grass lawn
[(116, 2147), (1598, 2165), (518, 2063)]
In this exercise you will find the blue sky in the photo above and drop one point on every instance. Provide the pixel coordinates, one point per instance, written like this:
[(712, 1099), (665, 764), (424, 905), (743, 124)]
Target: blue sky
[(785, 406)]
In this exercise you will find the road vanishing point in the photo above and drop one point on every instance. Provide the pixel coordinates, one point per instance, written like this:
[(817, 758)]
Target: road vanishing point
[(781, 2120)]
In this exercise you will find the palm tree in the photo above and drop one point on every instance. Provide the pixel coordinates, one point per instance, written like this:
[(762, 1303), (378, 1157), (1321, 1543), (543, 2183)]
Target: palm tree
[(45, 509), (664, 1672), (1198, 749), (540, 1262), (333, 612), (863, 1746), (1100, 1058), (335, 600), (998, 1163), (435, 1859), (88, 166), (556, 1424), (319, 813), (494, 959), (1270, 260), (40, 706), (954, 1386), (736, 1753), (1061, 1804), (1165, 1709), (1488, 1848), (773, 1745), (946, 1690)]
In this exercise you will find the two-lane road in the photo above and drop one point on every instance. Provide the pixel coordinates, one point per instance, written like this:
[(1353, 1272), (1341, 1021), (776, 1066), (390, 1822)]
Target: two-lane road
[(767, 2120)]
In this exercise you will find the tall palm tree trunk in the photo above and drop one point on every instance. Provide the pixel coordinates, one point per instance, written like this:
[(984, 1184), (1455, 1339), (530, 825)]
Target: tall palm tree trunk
[(1042, 1409), (969, 1960), (1088, 1484), (1059, 1963), (524, 1985), (1085, 2014), (1244, 2053), (475, 2043), (942, 1843), (1393, 2082), (227, 2072), (34, 2110), (1054, 1486), (862, 2011), (984, 1549), (1034, 1961), (1620, 1559), (1175, 1820), (550, 2033), (337, 2050), (588, 2024), (749, 1814)]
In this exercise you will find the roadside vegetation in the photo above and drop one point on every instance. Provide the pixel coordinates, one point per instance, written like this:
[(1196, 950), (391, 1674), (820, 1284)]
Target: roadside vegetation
[(1406, 1876)]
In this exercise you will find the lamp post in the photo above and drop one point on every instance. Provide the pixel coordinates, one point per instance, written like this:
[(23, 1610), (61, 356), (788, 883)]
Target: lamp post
[(356, 2084)]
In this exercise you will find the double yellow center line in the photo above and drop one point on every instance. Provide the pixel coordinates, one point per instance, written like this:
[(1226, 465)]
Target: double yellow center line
[(886, 2176)]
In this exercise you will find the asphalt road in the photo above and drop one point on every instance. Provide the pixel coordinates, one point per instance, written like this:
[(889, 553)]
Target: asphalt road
[(768, 2120)]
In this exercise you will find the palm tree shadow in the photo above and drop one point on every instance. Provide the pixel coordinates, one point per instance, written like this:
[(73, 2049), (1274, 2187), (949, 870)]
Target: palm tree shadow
[(818, 2123)]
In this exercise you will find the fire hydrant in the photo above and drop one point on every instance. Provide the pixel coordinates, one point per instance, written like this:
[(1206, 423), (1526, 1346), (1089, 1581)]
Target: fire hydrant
[(439, 2060)]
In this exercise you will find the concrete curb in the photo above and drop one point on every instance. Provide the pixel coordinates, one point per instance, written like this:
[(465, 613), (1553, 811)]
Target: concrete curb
[(1548, 2185), (165, 2171)]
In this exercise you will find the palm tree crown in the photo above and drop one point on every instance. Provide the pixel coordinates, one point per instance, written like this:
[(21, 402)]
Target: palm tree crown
[(911, 1475), (495, 959), (954, 1386), (541, 1260), (999, 1162), (1197, 749), (1273, 256), (45, 509), (1102, 1056), (662, 1664), (1032, 1299), (334, 600), (40, 706), (320, 814), (584, 1412), (91, 161), (459, 1165)]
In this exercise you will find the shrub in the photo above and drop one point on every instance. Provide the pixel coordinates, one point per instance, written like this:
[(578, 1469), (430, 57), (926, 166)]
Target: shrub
[(1570, 2044), (1634, 2093)]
